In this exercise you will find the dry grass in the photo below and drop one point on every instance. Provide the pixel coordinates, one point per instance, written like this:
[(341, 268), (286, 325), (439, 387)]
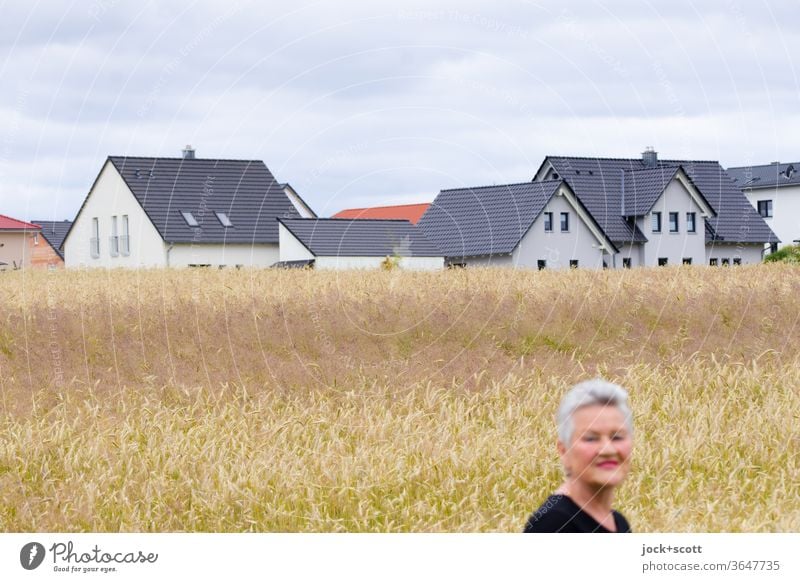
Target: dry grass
[(389, 401)]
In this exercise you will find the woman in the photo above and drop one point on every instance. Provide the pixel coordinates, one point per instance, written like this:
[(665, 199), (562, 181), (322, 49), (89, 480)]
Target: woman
[(595, 438)]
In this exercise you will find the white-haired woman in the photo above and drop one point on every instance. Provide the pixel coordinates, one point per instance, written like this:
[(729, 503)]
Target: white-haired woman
[(595, 438)]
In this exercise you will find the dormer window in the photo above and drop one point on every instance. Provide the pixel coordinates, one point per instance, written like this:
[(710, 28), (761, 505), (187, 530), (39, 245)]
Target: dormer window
[(223, 219), (189, 218)]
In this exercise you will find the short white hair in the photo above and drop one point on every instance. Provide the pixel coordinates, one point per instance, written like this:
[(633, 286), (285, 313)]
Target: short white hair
[(590, 393)]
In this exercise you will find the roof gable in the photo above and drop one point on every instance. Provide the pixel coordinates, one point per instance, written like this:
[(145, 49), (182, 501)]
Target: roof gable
[(641, 189), (341, 237), (598, 184)]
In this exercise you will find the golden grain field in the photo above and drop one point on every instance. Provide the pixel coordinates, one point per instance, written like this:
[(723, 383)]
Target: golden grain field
[(309, 401)]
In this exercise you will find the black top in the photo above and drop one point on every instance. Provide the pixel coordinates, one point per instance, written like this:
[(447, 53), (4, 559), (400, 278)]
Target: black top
[(560, 514)]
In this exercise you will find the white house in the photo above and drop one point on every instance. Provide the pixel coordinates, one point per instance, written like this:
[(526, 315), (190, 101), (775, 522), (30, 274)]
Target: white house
[(178, 212), (529, 224), (774, 191), (594, 212), (340, 243)]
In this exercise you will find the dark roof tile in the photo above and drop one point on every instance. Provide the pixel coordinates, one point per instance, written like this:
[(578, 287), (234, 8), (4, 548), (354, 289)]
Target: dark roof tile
[(342, 237), (487, 220), (245, 190)]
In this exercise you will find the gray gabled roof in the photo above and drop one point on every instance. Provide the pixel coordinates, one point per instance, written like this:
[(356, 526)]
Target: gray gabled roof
[(598, 184), (766, 175), (486, 220), (54, 232), (245, 190), (641, 189), (344, 237)]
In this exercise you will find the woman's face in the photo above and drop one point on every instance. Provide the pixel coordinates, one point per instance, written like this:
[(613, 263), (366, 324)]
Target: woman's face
[(600, 450)]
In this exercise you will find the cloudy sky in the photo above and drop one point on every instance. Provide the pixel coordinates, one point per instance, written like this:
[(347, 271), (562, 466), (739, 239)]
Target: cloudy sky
[(365, 103)]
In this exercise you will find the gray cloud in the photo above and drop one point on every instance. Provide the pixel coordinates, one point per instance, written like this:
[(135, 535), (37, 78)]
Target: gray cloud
[(359, 103)]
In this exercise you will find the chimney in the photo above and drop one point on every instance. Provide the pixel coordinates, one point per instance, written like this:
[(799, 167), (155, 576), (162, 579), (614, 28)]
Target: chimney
[(188, 153), (649, 157)]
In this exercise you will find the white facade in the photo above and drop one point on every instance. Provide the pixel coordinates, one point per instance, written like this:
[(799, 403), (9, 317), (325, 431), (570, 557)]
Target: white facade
[(407, 263), (785, 219), (578, 246), (222, 255), (291, 249), (113, 205), (731, 254), (110, 197), (674, 247), (302, 208)]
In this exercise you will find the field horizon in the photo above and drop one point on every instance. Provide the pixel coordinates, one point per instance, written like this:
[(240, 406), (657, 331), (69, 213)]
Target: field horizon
[(253, 400)]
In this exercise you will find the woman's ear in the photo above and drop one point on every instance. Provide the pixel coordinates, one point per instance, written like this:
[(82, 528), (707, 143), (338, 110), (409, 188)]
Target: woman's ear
[(562, 451)]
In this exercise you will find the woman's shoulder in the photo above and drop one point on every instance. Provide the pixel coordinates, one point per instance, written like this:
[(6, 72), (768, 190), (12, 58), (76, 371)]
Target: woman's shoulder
[(622, 524), (555, 515), (560, 514)]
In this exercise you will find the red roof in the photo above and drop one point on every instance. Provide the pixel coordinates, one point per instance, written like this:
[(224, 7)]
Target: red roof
[(409, 212), (8, 223)]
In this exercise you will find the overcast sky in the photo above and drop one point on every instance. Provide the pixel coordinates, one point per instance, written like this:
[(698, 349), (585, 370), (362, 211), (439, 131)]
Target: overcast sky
[(369, 103)]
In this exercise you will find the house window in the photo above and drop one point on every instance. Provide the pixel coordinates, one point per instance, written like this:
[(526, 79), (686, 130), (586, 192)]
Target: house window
[(223, 219), (713, 262), (765, 208), (94, 242), (541, 264), (662, 261), (113, 240), (456, 265), (656, 222), (673, 222), (573, 263), (189, 218), (626, 263), (691, 222), (548, 222), (124, 240), (687, 261), (773, 247), (726, 262), (737, 261), (565, 222), (35, 238)]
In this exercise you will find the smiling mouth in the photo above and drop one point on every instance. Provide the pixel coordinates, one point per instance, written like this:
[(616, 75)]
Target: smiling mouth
[(608, 465)]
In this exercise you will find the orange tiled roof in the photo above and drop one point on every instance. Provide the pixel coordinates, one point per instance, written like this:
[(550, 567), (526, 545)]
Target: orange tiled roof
[(409, 212), (8, 223)]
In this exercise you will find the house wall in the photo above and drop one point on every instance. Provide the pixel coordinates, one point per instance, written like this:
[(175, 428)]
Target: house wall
[(297, 202), (785, 221), (110, 196), (558, 248), (633, 251), (13, 249), (493, 261), (749, 253), (291, 249), (42, 255), (408, 263), (223, 255), (674, 246)]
